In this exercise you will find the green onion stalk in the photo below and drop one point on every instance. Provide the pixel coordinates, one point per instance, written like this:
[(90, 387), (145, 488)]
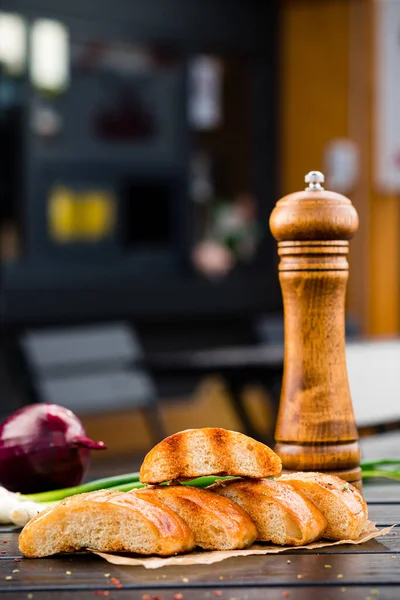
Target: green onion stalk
[(20, 508)]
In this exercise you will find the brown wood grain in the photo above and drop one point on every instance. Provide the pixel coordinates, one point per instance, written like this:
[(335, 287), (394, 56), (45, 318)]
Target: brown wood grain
[(316, 429)]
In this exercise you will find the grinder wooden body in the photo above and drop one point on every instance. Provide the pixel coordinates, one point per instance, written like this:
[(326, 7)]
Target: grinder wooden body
[(316, 429)]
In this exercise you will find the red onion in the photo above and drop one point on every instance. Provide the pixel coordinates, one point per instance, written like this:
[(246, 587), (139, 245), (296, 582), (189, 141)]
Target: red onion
[(43, 447)]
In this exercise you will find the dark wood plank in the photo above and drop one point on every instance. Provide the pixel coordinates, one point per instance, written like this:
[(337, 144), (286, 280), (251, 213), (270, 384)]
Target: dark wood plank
[(293, 593), (83, 572), (388, 543)]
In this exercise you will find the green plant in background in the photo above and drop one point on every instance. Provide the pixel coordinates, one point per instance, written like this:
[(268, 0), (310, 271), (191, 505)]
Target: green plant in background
[(385, 467)]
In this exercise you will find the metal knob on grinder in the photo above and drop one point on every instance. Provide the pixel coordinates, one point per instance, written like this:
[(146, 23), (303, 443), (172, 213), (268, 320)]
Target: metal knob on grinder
[(316, 429)]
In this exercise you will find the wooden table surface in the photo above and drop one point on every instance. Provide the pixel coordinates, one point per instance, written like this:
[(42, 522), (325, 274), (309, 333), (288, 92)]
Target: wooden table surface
[(370, 571)]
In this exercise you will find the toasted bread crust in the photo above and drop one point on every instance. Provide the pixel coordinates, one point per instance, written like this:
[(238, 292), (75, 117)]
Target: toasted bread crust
[(108, 522), (216, 522), (209, 451), (281, 516), (342, 504)]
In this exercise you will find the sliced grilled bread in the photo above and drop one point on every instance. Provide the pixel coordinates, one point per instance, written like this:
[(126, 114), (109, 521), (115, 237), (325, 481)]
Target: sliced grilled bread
[(342, 504), (282, 516), (107, 522), (217, 523), (209, 451)]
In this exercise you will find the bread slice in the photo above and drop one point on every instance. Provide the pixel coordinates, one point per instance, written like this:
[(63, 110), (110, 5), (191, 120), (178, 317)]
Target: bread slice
[(108, 522), (217, 523), (282, 516), (342, 504), (209, 451)]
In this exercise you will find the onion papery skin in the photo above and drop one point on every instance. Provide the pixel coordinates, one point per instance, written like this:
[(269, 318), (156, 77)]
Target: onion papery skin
[(43, 447)]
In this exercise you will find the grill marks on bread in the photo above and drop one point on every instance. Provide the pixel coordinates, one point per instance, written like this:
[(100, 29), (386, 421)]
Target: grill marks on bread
[(107, 522), (341, 503), (209, 451), (217, 522), (281, 515)]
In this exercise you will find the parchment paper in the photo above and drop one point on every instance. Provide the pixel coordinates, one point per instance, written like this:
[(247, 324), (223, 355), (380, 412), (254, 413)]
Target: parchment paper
[(207, 558)]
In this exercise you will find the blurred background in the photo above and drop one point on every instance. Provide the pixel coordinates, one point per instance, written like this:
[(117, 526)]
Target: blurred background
[(143, 147)]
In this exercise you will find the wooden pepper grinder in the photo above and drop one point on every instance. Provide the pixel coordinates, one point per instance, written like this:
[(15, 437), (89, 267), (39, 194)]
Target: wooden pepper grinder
[(316, 429)]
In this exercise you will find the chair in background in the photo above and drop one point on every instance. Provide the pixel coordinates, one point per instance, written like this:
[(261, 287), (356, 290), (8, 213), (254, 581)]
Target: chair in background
[(90, 369)]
